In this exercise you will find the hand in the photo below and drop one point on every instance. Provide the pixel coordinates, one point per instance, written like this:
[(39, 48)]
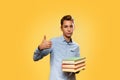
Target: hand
[(45, 44), (77, 72)]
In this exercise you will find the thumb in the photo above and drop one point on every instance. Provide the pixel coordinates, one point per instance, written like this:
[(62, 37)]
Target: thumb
[(44, 37)]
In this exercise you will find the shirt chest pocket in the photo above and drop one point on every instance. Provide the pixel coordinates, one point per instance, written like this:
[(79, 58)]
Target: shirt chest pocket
[(72, 52)]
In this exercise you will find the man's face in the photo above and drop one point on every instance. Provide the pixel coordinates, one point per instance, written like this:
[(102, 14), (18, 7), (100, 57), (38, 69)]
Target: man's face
[(67, 28)]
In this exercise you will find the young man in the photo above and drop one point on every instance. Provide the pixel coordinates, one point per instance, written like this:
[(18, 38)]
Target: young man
[(59, 48)]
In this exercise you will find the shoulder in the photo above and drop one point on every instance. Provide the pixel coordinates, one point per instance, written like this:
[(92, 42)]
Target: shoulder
[(75, 44)]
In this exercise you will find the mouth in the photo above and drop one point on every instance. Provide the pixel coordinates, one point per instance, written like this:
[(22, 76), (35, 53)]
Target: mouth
[(69, 33)]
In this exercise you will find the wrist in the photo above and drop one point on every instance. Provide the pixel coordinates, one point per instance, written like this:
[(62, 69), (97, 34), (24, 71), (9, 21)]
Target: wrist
[(40, 48)]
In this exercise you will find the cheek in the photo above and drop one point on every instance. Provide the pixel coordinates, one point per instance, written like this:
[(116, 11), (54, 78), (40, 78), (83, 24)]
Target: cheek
[(72, 29), (64, 30)]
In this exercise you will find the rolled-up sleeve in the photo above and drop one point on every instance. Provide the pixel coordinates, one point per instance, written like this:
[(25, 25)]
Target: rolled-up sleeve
[(39, 54)]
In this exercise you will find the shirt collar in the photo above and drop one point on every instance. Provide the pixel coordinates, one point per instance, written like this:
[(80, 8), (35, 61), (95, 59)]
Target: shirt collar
[(63, 39)]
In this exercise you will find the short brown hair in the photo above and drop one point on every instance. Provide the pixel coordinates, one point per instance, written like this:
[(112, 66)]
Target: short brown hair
[(66, 17)]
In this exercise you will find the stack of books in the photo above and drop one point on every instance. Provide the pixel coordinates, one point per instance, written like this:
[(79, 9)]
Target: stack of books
[(73, 64)]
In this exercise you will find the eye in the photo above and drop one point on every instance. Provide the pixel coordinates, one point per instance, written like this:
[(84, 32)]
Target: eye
[(65, 26), (71, 26)]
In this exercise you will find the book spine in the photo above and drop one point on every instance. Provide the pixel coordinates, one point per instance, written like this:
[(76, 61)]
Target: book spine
[(73, 68), (72, 62)]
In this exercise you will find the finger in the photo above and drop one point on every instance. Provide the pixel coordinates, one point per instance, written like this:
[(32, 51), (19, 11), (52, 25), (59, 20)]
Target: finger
[(48, 46), (50, 42), (44, 37)]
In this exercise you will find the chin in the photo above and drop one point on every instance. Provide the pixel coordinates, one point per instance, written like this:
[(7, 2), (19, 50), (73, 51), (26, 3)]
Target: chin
[(68, 36)]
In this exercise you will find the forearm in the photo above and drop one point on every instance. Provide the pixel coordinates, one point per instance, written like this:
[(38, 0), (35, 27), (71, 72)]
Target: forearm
[(39, 54)]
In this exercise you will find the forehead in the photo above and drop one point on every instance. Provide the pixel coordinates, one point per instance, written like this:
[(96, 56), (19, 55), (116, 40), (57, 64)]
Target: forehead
[(67, 22)]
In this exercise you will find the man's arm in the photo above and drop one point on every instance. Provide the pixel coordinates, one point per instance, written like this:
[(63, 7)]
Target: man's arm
[(43, 49), (39, 54)]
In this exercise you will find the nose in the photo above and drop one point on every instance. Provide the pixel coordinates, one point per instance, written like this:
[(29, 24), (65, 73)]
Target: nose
[(69, 29)]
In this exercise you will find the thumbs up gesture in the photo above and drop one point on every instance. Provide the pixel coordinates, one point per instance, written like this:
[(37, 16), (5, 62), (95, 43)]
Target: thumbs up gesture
[(45, 44)]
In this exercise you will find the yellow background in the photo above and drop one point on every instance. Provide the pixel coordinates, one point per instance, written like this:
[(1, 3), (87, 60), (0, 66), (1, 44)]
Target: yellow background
[(23, 24)]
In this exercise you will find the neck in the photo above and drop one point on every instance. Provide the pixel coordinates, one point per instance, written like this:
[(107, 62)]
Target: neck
[(67, 38)]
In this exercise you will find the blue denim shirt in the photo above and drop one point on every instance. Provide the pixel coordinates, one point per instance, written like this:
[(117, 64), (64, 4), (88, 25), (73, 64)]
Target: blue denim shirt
[(60, 50)]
